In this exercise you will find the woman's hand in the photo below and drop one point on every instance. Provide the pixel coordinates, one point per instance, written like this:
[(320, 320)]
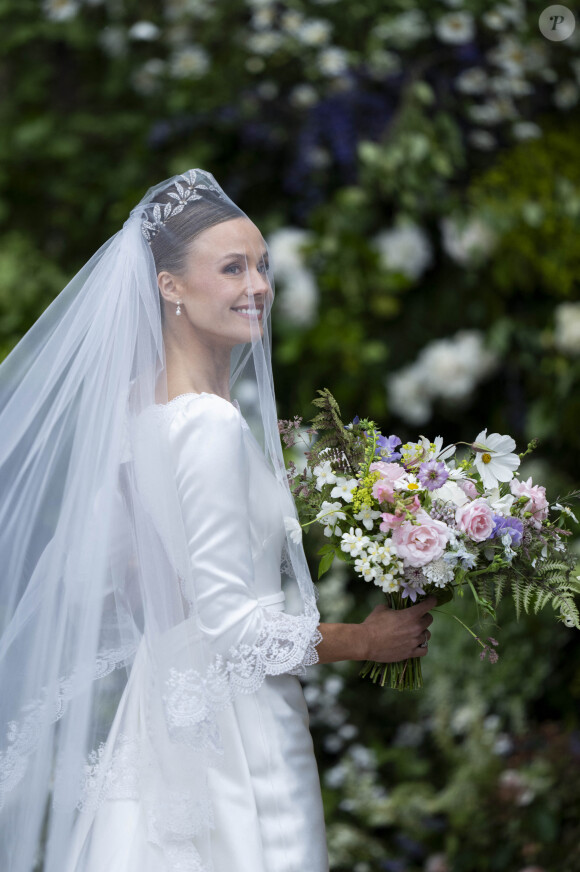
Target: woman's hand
[(386, 635), (395, 634)]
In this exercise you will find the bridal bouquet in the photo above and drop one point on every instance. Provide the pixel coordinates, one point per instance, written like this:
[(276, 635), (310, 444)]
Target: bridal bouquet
[(415, 520)]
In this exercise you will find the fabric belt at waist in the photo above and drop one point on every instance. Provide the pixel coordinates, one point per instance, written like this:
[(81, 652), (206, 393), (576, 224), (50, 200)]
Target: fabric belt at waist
[(273, 600)]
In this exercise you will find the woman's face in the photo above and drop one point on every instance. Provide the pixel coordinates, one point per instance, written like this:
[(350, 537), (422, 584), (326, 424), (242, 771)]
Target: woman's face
[(225, 290)]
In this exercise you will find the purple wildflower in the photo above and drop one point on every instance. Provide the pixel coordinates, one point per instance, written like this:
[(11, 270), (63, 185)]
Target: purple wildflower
[(356, 419), (432, 474), (386, 446), (513, 526), (411, 589)]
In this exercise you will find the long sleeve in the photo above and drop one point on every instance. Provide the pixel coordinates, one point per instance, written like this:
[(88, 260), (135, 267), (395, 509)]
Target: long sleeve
[(227, 534)]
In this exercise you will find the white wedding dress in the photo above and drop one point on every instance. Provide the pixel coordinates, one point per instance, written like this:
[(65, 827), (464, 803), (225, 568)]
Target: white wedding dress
[(265, 791)]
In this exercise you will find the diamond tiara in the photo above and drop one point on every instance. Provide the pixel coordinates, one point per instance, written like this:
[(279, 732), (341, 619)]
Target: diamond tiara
[(183, 194)]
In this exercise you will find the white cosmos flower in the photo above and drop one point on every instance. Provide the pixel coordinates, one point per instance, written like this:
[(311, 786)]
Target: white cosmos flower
[(566, 511), (344, 488), (293, 529), (440, 453), (495, 460)]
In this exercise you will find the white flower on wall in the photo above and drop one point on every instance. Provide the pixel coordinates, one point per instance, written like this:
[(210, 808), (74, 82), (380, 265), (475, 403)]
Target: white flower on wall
[(298, 298), (468, 241), (567, 328), (447, 369), (405, 248)]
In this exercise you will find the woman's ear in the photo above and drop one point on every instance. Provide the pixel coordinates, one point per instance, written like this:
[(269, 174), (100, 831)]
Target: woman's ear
[(168, 286)]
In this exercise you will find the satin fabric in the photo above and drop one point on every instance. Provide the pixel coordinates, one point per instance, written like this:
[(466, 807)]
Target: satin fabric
[(265, 788)]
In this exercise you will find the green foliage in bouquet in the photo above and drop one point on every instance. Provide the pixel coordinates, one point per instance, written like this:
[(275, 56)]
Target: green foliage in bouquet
[(339, 444)]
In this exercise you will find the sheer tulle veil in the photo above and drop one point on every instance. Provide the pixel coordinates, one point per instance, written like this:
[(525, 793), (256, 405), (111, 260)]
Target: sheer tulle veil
[(95, 570)]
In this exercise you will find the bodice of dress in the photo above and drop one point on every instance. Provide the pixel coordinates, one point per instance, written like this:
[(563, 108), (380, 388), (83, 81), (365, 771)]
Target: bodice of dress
[(238, 514), (234, 511)]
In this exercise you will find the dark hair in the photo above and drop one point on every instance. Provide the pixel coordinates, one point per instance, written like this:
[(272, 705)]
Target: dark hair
[(171, 242)]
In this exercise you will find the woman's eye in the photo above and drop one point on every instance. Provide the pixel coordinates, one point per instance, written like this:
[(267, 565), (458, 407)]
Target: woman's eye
[(233, 267)]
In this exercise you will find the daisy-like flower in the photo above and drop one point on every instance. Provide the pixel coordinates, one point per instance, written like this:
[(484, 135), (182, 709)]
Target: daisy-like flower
[(354, 542), (494, 458), (368, 516), (344, 489), (432, 474), (324, 474), (566, 511), (407, 482)]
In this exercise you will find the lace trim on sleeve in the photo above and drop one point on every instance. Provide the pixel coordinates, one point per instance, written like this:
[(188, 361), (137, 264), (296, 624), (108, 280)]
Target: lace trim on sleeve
[(286, 643)]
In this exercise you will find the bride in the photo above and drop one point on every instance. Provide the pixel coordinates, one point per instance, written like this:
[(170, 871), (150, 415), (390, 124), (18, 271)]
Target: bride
[(157, 608)]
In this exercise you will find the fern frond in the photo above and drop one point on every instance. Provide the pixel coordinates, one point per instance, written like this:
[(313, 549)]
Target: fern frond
[(500, 583), (334, 435)]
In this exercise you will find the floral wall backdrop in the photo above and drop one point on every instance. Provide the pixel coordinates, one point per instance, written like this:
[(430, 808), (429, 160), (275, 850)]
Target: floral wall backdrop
[(414, 169)]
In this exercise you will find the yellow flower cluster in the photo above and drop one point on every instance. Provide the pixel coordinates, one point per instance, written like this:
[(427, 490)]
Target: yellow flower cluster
[(363, 496)]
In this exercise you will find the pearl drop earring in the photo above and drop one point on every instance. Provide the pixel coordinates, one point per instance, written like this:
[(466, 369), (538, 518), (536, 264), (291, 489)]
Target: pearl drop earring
[(178, 310)]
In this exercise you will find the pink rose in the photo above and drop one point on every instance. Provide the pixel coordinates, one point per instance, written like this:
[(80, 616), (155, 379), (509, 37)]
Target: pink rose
[(476, 519), (468, 488), (419, 544), (383, 490), (537, 503)]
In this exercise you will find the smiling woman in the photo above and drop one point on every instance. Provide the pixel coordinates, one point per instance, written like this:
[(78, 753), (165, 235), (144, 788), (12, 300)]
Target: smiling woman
[(146, 524)]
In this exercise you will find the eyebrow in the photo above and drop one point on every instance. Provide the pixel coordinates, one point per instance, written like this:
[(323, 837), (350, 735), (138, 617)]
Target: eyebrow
[(239, 254)]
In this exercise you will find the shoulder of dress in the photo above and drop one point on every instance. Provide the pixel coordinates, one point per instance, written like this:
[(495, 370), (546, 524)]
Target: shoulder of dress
[(208, 411)]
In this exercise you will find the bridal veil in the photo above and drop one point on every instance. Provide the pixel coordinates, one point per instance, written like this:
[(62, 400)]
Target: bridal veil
[(95, 571)]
